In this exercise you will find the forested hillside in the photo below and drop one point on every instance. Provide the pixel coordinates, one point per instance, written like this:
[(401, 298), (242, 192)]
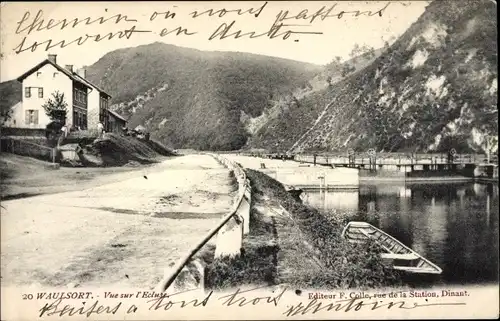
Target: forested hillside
[(193, 99)]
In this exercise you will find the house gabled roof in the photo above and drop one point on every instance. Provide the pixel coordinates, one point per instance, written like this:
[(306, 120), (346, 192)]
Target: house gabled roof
[(92, 85), (116, 115), (72, 76)]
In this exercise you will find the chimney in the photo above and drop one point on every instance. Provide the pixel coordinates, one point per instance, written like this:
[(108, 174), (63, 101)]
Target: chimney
[(69, 67), (82, 72), (52, 58)]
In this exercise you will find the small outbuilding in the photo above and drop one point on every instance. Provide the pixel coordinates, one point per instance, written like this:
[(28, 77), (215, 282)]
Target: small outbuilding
[(116, 122)]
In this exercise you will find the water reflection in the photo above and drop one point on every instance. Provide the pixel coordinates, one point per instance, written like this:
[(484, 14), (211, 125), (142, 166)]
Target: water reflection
[(342, 200), (453, 225)]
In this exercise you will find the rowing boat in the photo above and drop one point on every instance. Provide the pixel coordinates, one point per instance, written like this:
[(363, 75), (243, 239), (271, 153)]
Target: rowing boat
[(396, 253), (295, 193)]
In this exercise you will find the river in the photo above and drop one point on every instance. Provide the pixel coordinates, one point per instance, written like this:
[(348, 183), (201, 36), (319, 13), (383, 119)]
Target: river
[(455, 225)]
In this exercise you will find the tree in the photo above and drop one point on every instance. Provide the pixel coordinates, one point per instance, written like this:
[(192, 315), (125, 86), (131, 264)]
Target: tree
[(371, 51), (56, 107), (490, 146), (334, 64), (347, 69), (355, 51), (5, 114)]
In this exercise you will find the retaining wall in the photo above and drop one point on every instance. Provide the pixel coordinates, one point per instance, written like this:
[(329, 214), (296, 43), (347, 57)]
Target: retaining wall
[(30, 148), (23, 132), (314, 177)]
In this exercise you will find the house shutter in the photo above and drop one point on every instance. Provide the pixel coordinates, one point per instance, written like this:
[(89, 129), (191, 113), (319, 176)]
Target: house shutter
[(35, 117), (27, 116)]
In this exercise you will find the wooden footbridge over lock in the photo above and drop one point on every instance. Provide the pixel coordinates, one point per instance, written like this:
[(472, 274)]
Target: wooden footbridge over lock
[(429, 163)]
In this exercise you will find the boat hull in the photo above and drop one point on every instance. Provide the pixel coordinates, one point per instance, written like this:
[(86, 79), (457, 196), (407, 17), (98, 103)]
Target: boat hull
[(396, 254), (295, 193)]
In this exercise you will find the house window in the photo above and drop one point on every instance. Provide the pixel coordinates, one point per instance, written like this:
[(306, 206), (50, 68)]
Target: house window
[(38, 74), (27, 92), (54, 75), (40, 92), (76, 95), (79, 96), (31, 117)]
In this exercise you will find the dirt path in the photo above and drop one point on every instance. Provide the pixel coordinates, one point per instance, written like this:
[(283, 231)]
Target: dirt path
[(123, 233)]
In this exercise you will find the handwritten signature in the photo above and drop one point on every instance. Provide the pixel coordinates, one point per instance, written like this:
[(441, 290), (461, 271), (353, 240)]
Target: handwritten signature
[(355, 304)]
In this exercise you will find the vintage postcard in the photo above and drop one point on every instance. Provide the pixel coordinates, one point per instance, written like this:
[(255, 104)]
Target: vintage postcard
[(210, 160)]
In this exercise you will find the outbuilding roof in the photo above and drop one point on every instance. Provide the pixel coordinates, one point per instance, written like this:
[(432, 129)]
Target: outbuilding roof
[(115, 114)]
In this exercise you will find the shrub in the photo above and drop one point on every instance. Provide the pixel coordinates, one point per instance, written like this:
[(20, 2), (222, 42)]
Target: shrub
[(56, 107)]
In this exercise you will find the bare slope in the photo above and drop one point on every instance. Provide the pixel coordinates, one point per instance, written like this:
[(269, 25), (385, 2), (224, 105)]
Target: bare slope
[(292, 115)]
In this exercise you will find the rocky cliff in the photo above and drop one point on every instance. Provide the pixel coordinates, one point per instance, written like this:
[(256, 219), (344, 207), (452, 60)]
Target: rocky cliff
[(435, 88)]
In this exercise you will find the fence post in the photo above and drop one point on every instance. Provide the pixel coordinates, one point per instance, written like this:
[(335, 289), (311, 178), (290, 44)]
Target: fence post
[(230, 238), (245, 208)]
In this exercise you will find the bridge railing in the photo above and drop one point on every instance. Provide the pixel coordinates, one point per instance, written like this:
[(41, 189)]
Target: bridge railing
[(230, 231), (386, 158)]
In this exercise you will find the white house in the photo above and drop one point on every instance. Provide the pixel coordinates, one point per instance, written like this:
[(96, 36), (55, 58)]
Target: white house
[(86, 102)]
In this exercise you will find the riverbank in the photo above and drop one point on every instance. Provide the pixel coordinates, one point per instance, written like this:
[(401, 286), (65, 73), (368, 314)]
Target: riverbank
[(291, 243)]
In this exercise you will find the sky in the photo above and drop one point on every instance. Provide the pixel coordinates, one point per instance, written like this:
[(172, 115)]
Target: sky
[(326, 37)]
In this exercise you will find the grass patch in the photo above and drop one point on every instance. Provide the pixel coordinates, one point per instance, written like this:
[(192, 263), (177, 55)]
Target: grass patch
[(257, 264)]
